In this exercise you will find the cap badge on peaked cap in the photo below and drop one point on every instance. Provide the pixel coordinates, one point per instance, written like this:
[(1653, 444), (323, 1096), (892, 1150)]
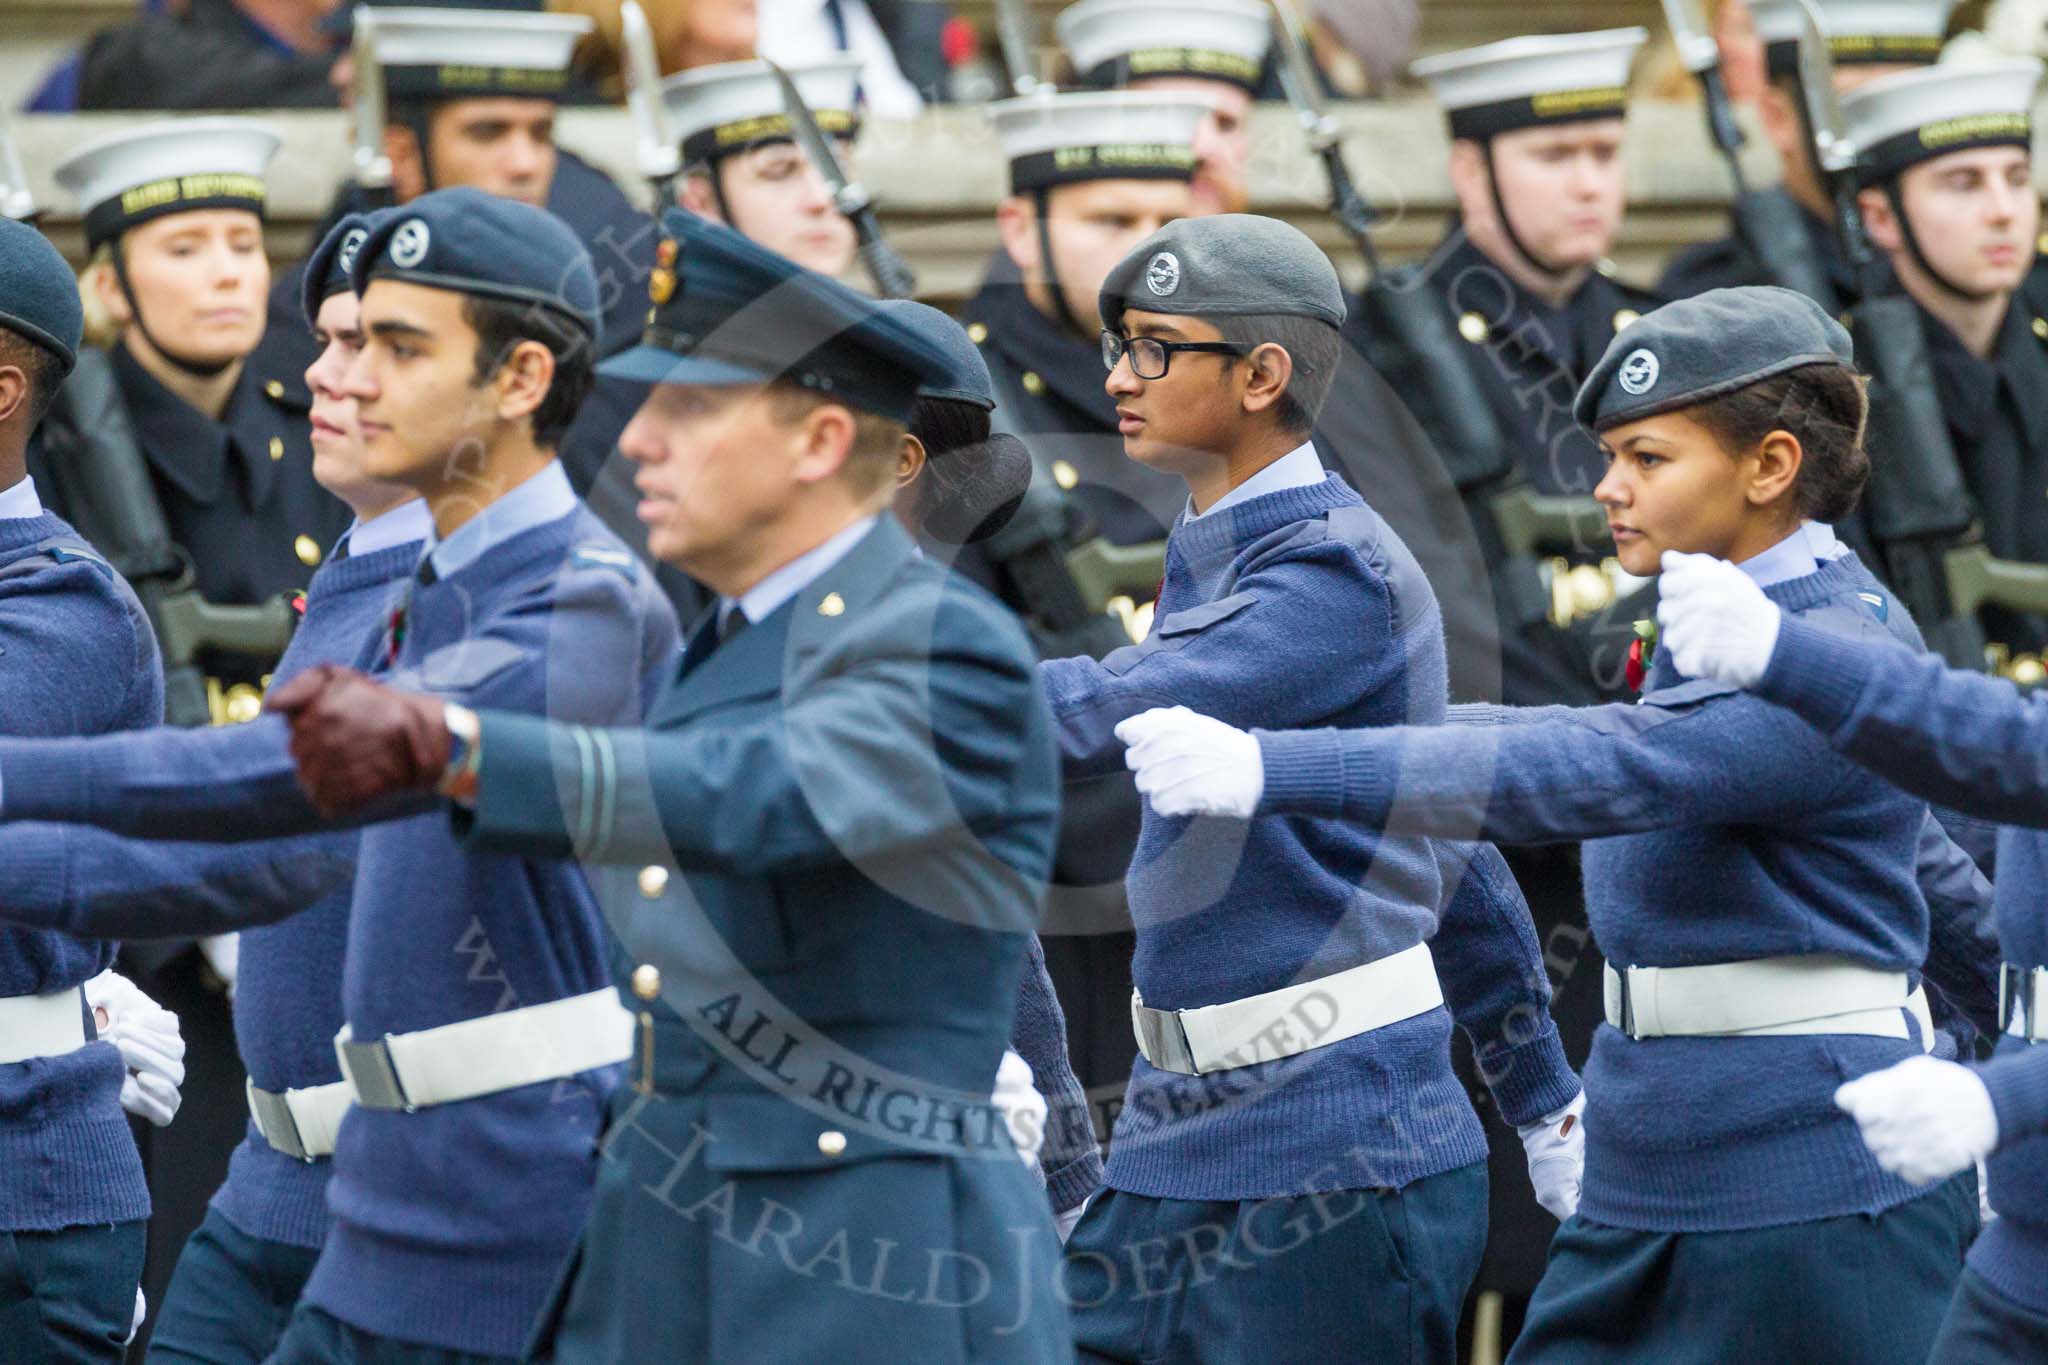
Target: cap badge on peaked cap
[(661, 284)]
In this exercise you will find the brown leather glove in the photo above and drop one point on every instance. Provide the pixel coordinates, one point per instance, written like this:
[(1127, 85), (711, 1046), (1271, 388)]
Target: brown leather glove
[(357, 741)]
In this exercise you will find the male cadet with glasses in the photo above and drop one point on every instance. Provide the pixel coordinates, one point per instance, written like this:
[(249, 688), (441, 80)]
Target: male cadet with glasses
[(1945, 159), (483, 1033), (1214, 49), (1296, 1170), (1868, 39), (1091, 175), (826, 854)]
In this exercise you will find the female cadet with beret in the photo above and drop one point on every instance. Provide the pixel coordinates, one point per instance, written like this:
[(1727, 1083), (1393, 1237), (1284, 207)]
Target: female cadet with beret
[(1761, 890), (1980, 744)]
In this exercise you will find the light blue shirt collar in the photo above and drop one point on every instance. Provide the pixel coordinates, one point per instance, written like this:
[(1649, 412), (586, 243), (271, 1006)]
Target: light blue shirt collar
[(1298, 468), (400, 526), (20, 502), (792, 578), (1796, 556), (541, 499)]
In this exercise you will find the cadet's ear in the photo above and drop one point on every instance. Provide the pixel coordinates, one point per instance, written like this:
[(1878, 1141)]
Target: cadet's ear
[(1268, 372), (1469, 179), (408, 166), (910, 461), (693, 192), (1778, 459), (14, 389), (1880, 221), (523, 380), (1017, 221), (824, 442)]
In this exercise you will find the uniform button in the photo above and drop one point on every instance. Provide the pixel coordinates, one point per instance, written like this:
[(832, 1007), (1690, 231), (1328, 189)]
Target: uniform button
[(1064, 474), (1473, 327), (275, 388), (308, 551), (977, 333), (277, 447), (1624, 316), (647, 981), (832, 1142), (833, 605), (1033, 385), (653, 881), (2041, 328), (1605, 265), (2027, 671), (242, 704)]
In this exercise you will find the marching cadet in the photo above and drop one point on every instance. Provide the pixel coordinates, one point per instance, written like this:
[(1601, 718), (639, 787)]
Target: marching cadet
[(1729, 1210), (1976, 744), (1295, 1080), (1213, 49), (826, 855), (482, 1032), (1868, 39), (741, 168), (1945, 158), (79, 659), (194, 415), (1090, 176)]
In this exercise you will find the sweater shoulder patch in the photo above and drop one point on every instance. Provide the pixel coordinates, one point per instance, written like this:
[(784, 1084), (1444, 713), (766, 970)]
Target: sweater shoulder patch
[(606, 558), (1191, 619), (1691, 692)]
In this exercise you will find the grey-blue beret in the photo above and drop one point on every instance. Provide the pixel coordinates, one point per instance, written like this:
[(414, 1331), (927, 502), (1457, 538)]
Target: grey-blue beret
[(40, 300), (1225, 265), (1705, 346), (968, 379)]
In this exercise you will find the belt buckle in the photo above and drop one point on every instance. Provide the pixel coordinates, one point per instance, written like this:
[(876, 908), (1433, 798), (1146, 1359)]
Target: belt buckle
[(2018, 1002), (1625, 1003), (1165, 1041), (372, 1076), (277, 1123)]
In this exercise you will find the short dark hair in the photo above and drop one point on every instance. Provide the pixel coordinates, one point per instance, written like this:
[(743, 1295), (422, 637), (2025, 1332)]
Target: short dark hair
[(1314, 347), (1826, 407), (943, 424), (43, 366), (500, 325)]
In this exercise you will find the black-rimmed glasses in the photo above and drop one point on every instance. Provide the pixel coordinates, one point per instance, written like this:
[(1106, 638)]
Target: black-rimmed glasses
[(1150, 356)]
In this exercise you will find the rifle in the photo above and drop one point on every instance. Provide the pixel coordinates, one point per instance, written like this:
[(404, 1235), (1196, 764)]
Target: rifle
[(16, 201), (654, 145), (890, 272), (104, 483), (371, 167), (1016, 34), (1325, 139), (1768, 224), (1921, 514)]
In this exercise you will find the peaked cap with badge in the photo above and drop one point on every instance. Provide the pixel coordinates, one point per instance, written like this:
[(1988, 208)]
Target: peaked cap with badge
[(1859, 32), (1116, 42), (716, 111), (728, 311), (433, 52)]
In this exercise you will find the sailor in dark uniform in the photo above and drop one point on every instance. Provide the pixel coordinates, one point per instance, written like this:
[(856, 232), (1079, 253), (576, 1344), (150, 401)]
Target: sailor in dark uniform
[(1944, 155), (1091, 175), (1867, 40), (205, 409)]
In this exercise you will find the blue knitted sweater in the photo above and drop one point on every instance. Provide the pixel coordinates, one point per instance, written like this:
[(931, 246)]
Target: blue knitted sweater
[(1302, 605), (1720, 829), (449, 1224), (76, 658), (1975, 743)]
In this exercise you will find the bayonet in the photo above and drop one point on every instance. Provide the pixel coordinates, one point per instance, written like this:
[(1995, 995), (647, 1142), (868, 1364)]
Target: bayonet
[(16, 200), (1701, 55), (1303, 87), (1833, 154), (1017, 36), (890, 272), (372, 166), (660, 158)]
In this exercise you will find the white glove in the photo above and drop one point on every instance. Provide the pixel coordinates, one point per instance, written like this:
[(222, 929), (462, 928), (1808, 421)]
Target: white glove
[(1924, 1119), (151, 1046), (223, 953), (141, 1312), (1714, 619), (1557, 1157), (1188, 764), (1022, 1107)]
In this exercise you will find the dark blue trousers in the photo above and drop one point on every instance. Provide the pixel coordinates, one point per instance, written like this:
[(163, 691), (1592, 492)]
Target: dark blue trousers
[(1984, 1327), (230, 1297), (1373, 1275), (67, 1297), (1856, 1290), (319, 1338)]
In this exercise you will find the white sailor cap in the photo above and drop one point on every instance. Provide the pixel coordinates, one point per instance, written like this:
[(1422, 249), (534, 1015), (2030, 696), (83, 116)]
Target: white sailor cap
[(431, 53), (1097, 135), (177, 166), (1900, 120), (1523, 82), (1115, 42), (1859, 32), (717, 110)]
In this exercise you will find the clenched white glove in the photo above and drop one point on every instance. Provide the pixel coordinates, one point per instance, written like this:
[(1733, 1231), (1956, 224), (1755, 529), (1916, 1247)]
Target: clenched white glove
[(1022, 1107), (223, 953), (151, 1046), (1189, 764), (1923, 1119), (141, 1312), (1557, 1157), (1714, 619)]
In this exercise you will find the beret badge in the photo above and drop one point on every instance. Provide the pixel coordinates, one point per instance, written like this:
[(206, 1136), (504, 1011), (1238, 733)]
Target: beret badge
[(1638, 373)]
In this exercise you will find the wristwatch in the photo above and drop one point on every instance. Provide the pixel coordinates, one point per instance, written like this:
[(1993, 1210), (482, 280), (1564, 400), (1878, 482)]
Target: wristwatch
[(465, 753)]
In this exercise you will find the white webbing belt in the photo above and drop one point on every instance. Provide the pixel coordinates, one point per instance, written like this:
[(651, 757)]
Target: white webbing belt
[(42, 1025), (483, 1056), (1812, 993), (301, 1123), (1291, 1020), (2023, 1001)]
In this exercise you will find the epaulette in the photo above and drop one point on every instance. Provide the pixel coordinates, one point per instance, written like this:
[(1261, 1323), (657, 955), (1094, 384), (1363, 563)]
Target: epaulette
[(620, 562), (80, 554)]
